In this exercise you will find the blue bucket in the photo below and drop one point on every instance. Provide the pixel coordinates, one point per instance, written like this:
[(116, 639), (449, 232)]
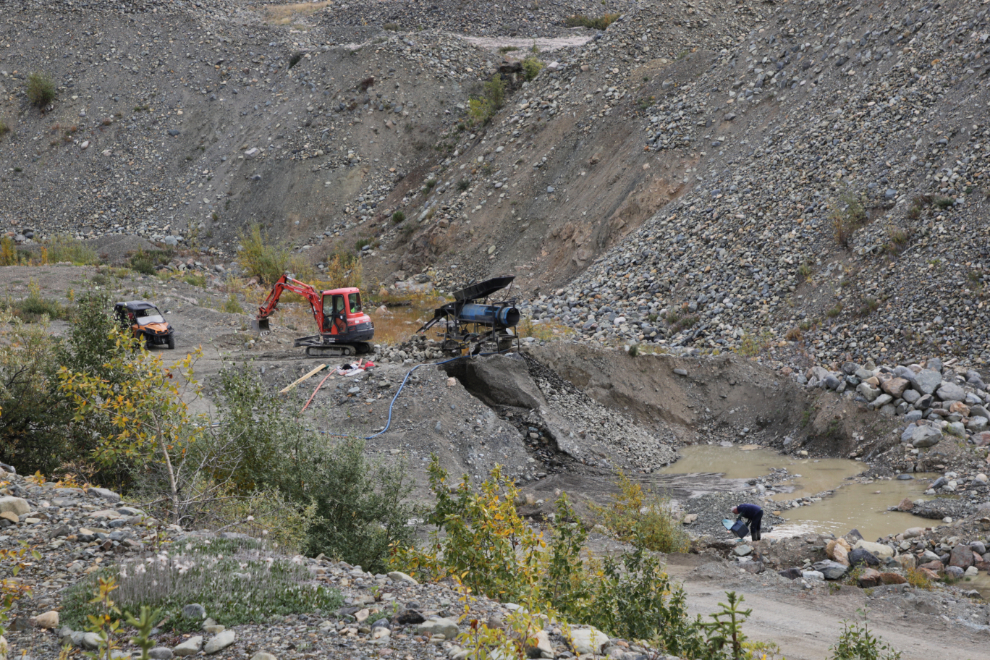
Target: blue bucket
[(739, 528)]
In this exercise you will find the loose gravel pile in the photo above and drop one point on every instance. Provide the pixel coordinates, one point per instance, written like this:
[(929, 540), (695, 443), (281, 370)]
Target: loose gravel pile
[(820, 108)]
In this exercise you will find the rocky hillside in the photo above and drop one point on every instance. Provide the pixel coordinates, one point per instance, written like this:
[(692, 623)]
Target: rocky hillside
[(803, 179), (865, 118)]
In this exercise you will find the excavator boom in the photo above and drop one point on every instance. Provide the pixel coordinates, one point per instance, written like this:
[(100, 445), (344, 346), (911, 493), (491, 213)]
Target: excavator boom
[(283, 284)]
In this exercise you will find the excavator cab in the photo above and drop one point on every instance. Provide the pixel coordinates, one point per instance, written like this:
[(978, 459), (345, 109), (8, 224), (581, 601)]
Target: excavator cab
[(334, 317)]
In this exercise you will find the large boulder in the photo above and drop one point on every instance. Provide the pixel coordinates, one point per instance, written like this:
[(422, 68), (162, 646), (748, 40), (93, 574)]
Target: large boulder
[(16, 505), (587, 640), (832, 570), (220, 642), (446, 627), (860, 556), (869, 578), (954, 573), (926, 381), (926, 436), (951, 392), (869, 393), (838, 550), (191, 646), (962, 556), (894, 387), (879, 549), (892, 578)]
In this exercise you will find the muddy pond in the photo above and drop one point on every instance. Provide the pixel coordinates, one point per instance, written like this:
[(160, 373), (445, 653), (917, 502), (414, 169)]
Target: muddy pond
[(862, 506)]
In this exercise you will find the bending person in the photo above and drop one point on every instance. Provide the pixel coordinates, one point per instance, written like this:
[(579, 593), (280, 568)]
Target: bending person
[(753, 515)]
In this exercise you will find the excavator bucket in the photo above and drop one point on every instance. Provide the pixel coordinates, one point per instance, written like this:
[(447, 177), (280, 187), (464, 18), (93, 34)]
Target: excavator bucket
[(260, 325)]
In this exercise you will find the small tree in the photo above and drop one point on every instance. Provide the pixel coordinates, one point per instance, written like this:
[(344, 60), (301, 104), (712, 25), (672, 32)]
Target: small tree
[(856, 643), (141, 415)]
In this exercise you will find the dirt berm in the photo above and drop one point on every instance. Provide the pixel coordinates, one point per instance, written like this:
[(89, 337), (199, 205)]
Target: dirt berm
[(723, 398), (607, 410)]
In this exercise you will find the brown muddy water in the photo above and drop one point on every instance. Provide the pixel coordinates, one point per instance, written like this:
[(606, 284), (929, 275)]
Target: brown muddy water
[(862, 506), (979, 582)]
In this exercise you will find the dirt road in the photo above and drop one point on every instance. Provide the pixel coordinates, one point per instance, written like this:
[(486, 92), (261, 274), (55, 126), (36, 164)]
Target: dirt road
[(806, 623)]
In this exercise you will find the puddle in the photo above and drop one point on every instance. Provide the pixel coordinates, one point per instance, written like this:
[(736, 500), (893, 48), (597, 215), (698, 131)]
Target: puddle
[(854, 505), (860, 506), (735, 462), (980, 582)]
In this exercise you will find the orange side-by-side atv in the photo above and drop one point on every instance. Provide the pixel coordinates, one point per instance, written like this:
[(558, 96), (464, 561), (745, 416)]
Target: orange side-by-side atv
[(146, 322)]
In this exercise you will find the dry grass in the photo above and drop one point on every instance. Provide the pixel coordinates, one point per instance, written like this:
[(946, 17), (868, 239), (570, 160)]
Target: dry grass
[(397, 324), (544, 329), (918, 579), (403, 316), (285, 14)]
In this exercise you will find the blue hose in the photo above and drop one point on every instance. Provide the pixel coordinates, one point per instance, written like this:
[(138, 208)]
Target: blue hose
[(398, 391)]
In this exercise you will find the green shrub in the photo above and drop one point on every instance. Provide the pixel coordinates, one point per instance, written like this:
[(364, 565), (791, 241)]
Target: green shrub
[(482, 108), (34, 306), (40, 89), (857, 643), (480, 538), (600, 23), (359, 508), (147, 262), (29, 365), (644, 517), (398, 217), (848, 215), (532, 67), (195, 279), (262, 257), (232, 580), (61, 248), (463, 184), (869, 306), (232, 305), (4, 129), (8, 252), (944, 202)]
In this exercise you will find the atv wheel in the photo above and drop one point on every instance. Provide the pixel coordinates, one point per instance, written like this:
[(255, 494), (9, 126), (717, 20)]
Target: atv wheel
[(171, 342)]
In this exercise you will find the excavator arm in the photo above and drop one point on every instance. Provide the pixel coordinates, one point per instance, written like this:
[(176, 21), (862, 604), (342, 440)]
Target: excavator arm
[(283, 284)]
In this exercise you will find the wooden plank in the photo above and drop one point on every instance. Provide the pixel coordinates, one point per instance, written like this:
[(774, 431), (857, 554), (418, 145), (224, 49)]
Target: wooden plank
[(309, 375)]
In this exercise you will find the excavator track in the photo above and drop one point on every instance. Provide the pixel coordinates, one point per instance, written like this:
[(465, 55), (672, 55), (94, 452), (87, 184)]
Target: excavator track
[(315, 347), (329, 351)]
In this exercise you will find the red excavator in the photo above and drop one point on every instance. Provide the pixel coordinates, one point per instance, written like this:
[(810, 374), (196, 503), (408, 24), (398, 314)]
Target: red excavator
[(344, 329)]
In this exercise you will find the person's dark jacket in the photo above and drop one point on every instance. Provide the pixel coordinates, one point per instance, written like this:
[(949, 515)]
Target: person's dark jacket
[(749, 511)]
